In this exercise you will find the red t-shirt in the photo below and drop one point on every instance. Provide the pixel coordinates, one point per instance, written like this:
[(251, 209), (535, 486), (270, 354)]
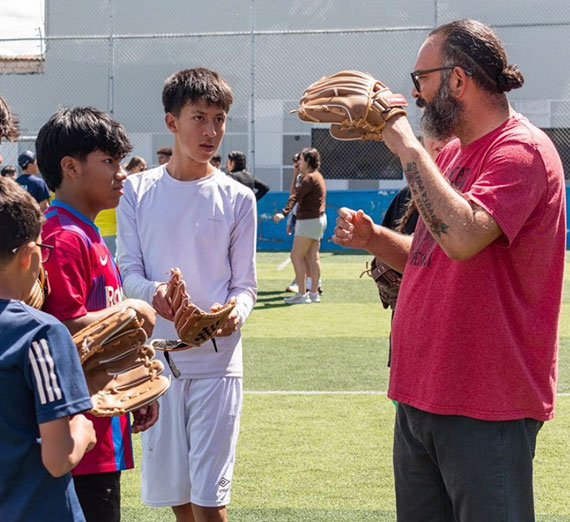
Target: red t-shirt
[(84, 278), (479, 337)]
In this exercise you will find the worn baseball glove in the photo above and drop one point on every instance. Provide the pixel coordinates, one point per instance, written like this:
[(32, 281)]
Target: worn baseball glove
[(193, 325), (121, 371), (387, 280), (40, 291), (355, 104)]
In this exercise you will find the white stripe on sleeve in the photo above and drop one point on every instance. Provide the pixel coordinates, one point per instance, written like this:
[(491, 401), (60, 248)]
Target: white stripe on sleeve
[(52, 376), (37, 374), (43, 368)]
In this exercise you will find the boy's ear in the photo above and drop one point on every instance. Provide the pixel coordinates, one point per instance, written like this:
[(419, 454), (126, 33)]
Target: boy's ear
[(170, 121), (69, 166), (25, 256)]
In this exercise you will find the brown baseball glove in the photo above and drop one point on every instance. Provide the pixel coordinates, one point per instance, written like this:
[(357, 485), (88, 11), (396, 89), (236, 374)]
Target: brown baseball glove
[(355, 104), (121, 371), (40, 291), (193, 325), (387, 279)]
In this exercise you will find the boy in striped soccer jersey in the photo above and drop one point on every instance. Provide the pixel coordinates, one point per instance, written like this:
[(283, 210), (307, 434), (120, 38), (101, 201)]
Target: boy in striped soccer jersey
[(79, 152), (41, 381)]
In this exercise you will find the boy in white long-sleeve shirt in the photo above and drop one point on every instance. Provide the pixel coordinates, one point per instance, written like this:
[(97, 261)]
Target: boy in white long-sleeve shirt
[(191, 215)]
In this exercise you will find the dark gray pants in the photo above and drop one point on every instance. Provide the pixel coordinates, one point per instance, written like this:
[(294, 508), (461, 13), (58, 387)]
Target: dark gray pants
[(458, 469), (100, 496)]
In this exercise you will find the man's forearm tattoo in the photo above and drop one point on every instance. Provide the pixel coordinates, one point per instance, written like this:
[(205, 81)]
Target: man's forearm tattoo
[(436, 225)]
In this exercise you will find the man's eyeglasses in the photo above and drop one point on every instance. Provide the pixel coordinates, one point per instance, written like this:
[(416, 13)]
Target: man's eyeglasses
[(45, 250), (420, 72)]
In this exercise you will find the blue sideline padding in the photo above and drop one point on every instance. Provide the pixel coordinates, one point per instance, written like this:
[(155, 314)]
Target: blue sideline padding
[(272, 237)]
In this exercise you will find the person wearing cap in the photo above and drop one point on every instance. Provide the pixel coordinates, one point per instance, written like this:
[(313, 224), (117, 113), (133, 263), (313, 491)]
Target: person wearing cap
[(35, 185)]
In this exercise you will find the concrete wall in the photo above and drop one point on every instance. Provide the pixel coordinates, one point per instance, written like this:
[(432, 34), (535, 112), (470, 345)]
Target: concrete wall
[(269, 51)]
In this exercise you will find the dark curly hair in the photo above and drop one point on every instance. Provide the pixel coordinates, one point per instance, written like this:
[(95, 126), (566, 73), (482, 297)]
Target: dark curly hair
[(8, 122), (476, 48)]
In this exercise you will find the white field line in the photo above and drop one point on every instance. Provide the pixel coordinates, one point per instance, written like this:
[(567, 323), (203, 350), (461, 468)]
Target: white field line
[(284, 264), (334, 392), (309, 392)]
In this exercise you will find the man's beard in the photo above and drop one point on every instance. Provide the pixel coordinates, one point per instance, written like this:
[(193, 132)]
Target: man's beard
[(442, 116)]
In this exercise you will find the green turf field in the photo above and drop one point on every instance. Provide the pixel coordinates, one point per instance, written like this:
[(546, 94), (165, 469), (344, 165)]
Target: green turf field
[(326, 455)]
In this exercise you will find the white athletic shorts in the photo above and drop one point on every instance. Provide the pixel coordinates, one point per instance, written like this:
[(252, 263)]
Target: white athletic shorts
[(188, 455), (311, 228)]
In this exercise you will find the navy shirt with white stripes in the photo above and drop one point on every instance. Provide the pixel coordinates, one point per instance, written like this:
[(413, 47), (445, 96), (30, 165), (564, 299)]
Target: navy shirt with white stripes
[(40, 380)]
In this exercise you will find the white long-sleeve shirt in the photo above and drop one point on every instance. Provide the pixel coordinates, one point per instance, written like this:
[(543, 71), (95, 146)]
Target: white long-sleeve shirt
[(207, 228)]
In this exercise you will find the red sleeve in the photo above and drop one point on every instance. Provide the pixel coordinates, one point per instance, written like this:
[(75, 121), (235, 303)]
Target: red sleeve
[(69, 270), (511, 186)]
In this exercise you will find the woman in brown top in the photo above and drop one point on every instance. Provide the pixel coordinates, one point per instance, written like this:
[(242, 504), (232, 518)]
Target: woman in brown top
[(310, 197)]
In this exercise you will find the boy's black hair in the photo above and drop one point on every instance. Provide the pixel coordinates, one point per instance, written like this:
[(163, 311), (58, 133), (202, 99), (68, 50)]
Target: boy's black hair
[(76, 132), (238, 157), (20, 218), (192, 85)]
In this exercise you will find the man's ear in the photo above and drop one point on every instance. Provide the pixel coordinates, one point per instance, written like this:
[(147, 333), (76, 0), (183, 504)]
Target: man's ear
[(170, 121), (458, 82), (69, 166)]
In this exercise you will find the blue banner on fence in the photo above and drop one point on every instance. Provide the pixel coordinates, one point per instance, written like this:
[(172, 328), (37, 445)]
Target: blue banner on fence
[(273, 237)]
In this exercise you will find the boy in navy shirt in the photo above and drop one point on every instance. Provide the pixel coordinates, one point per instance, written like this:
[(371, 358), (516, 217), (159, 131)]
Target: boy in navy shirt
[(41, 381), (30, 180)]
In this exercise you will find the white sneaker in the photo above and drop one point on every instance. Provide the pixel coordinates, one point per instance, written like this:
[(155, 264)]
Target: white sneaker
[(293, 287), (315, 297), (298, 299)]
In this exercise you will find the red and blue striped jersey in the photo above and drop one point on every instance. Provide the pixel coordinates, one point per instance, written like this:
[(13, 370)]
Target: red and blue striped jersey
[(84, 278)]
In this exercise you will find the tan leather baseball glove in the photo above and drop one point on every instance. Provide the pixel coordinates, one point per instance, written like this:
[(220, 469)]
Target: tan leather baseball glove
[(194, 326), (355, 104), (121, 371), (40, 291)]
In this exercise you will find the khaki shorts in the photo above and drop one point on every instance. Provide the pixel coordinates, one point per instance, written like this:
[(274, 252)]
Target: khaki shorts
[(311, 228)]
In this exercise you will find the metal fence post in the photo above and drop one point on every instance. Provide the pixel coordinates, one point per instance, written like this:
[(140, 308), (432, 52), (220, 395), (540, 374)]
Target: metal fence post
[(251, 134)]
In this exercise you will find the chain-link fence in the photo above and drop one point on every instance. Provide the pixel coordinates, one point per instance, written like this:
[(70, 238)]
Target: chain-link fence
[(115, 55)]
